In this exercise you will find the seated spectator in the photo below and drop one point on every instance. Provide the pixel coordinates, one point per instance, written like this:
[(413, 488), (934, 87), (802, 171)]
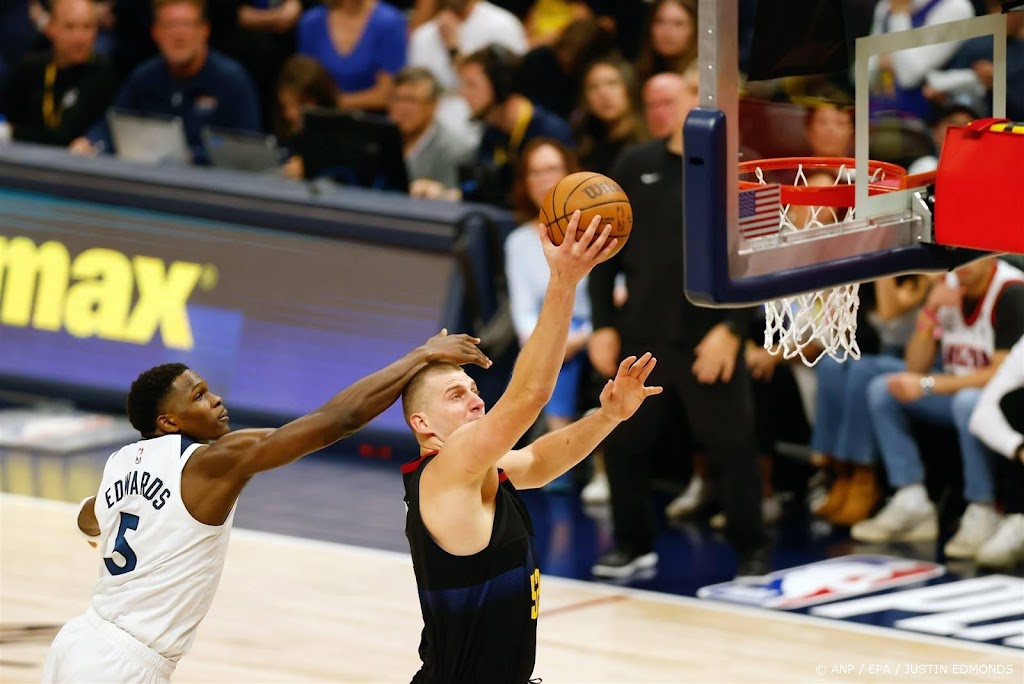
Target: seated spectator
[(510, 120), (543, 163), (897, 78), (609, 117), (556, 70), (188, 80), (462, 27), (303, 83), (361, 43), (670, 38), (432, 151), (53, 98), (828, 128), (958, 112), (968, 324), (998, 421), (842, 433), (970, 71)]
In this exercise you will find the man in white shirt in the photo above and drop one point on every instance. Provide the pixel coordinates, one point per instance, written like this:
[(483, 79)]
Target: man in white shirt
[(459, 28)]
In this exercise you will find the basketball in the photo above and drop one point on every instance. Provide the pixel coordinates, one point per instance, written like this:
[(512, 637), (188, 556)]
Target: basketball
[(593, 194)]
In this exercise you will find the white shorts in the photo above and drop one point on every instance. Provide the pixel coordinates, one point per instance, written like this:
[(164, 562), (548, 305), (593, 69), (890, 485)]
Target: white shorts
[(91, 649)]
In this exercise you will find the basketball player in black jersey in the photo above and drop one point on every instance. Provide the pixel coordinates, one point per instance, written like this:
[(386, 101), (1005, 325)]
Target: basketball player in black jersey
[(469, 532)]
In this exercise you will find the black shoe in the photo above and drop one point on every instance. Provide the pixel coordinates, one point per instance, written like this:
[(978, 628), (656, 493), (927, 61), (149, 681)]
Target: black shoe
[(755, 564), (620, 564)]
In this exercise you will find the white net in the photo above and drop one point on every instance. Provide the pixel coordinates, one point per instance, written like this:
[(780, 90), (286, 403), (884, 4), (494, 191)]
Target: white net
[(822, 323)]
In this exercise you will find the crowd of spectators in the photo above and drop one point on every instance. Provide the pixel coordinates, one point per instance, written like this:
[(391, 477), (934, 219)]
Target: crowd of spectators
[(495, 101)]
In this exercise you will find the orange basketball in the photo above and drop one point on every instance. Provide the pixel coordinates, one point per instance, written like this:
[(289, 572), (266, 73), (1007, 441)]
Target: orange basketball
[(593, 194)]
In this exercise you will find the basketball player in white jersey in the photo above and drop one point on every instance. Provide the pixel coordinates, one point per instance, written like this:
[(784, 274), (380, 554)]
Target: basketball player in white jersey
[(164, 509), (967, 325)]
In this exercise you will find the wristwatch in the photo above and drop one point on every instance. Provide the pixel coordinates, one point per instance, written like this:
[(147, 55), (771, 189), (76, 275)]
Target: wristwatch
[(927, 385)]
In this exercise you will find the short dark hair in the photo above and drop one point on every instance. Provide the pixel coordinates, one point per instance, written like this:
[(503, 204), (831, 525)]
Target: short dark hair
[(148, 392), (500, 65)]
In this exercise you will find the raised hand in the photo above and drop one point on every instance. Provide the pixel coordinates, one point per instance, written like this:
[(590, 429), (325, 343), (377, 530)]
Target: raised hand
[(459, 349), (579, 252), (623, 394)]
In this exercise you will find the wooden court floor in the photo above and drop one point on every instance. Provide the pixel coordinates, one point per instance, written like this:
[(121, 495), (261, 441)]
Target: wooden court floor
[(295, 610)]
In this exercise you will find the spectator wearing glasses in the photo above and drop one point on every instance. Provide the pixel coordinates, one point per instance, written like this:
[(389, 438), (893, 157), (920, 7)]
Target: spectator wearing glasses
[(432, 151)]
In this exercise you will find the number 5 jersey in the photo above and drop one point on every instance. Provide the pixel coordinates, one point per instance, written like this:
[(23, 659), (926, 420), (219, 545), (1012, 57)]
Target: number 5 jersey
[(161, 566)]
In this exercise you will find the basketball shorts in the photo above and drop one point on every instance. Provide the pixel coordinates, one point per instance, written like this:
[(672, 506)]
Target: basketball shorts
[(91, 649)]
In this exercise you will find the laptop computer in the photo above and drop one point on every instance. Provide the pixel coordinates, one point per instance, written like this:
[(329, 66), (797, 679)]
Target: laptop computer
[(241, 150), (150, 139), (352, 148)]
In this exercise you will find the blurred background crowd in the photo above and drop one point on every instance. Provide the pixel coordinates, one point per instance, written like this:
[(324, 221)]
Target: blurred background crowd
[(494, 102)]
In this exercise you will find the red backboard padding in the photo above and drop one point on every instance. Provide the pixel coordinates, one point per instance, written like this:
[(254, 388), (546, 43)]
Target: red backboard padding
[(979, 188)]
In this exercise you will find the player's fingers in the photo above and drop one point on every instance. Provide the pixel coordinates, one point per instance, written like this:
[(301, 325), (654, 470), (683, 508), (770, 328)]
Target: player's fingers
[(640, 362), (572, 228), (608, 250), (624, 366), (597, 245), (651, 391), (645, 370), (587, 238)]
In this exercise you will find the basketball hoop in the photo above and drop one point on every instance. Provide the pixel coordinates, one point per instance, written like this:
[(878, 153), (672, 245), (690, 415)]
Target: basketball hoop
[(815, 192)]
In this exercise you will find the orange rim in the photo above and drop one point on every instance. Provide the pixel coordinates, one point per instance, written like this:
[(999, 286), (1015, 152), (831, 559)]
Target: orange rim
[(840, 195)]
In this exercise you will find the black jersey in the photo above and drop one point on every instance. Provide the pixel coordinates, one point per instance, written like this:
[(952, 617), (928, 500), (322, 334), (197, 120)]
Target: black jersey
[(479, 611)]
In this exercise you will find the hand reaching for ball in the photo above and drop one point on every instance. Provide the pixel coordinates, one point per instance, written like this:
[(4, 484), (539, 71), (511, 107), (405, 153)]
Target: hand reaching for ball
[(593, 194), (580, 250)]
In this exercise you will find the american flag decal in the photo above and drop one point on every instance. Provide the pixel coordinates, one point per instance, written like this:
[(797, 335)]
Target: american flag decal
[(759, 211)]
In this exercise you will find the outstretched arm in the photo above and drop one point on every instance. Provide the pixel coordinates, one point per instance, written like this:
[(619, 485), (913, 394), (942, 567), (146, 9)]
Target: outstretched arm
[(474, 448), (215, 474), (556, 452)]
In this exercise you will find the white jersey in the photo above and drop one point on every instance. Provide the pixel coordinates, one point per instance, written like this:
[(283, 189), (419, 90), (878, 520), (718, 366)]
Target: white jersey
[(161, 566), (968, 344)]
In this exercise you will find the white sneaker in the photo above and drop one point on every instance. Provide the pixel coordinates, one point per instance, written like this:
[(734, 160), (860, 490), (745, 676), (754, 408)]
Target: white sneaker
[(977, 526), (899, 521), (596, 491), (1005, 548), (686, 504)]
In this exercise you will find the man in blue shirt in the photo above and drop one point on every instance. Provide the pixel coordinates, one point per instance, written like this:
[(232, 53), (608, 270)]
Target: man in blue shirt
[(188, 80)]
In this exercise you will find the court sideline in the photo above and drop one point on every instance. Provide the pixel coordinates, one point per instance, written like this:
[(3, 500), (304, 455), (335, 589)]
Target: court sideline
[(297, 610)]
